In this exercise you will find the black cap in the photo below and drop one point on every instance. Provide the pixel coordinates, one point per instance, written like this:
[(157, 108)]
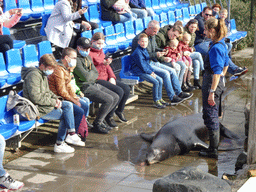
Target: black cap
[(84, 42)]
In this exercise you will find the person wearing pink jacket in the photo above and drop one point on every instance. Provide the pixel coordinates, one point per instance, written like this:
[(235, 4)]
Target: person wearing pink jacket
[(7, 19)]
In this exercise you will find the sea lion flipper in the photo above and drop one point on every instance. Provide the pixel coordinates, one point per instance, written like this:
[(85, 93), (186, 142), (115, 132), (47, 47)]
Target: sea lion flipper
[(148, 137)]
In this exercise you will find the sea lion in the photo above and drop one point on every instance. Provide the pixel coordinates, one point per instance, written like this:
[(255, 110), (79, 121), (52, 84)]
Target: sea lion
[(179, 137)]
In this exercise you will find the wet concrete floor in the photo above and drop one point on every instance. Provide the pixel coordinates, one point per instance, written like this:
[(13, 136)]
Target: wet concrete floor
[(108, 162)]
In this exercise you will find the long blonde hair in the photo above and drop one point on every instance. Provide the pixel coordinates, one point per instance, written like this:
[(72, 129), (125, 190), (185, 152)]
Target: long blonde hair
[(219, 26)]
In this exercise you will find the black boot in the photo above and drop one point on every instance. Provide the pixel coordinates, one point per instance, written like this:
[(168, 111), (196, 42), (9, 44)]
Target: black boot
[(190, 85), (197, 83), (185, 88), (212, 151)]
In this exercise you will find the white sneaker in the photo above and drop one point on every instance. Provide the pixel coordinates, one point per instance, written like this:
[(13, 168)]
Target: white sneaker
[(74, 140), (6, 182), (63, 148)]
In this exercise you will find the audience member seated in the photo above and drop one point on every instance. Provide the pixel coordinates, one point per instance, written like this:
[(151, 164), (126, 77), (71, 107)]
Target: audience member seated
[(60, 84), (85, 25), (86, 76), (6, 181), (119, 11), (216, 10), (108, 79), (7, 19), (202, 42), (140, 4), (168, 74), (50, 106), (60, 26), (197, 60)]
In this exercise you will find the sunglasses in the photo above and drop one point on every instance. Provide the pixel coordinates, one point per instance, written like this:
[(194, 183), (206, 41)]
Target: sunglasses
[(208, 15)]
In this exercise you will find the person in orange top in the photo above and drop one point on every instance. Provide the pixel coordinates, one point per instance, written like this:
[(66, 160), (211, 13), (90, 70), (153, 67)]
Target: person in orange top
[(108, 79)]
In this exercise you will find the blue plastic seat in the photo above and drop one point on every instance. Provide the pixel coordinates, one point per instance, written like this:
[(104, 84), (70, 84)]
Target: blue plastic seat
[(235, 35), (45, 18), (95, 16), (163, 6), (97, 30), (171, 17), (44, 47), (180, 5), (163, 19), (203, 5), (178, 15), (48, 5), (129, 31), (17, 44), (192, 12), (146, 21), (138, 25), (10, 4), (156, 7), (87, 34), (156, 17), (9, 78), (110, 39), (122, 41), (13, 61), (126, 72), (26, 11), (37, 8), (30, 58), (198, 8), (185, 15), (170, 4), (148, 3)]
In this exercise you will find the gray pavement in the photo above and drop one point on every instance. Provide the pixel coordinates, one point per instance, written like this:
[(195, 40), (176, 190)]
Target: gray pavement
[(108, 162)]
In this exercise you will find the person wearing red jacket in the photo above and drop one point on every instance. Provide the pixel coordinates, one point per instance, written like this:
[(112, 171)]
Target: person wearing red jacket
[(108, 79)]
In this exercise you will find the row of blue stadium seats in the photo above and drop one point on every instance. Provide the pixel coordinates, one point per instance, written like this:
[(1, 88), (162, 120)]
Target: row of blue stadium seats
[(10, 71), (36, 8)]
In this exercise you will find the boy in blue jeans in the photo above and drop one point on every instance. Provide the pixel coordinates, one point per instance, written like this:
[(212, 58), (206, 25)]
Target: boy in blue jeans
[(140, 66)]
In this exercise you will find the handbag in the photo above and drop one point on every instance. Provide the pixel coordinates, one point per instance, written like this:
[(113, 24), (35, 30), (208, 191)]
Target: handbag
[(22, 106)]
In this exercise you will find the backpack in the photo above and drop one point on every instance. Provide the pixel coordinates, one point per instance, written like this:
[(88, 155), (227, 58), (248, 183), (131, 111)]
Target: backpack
[(22, 106)]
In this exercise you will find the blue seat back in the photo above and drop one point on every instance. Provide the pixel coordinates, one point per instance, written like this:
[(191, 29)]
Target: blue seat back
[(148, 3), (155, 4), (163, 19), (178, 15), (45, 18), (48, 4), (171, 17), (13, 61), (110, 36), (162, 3), (156, 17), (138, 23), (2, 65), (87, 34), (36, 4), (192, 11), (30, 57), (198, 8), (129, 29), (97, 30), (94, 13), (3, 110), (169, 3), (146, 20), (44, 47), (9, 4), (25, 4), (233, 26), (119, 29), (6, 31), (185, 15)]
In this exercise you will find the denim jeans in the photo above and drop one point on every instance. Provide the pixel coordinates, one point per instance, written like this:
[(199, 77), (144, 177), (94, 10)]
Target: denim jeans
[(170, 79), (203, 49), (127, 17), (141, 13), (198, 63), (157, 85), (85, 104), (66, 116), (2, 148), (183, 68)]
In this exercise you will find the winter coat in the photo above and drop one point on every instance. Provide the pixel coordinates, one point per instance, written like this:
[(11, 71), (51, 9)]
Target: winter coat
[(36, 89), (59, 27), (108, 13)]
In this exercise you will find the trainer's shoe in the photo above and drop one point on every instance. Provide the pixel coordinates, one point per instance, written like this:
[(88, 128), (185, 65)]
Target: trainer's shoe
[(185, 96), (111, 122), (176, 100), (63, 148), (240, 71), (121, 117), (74, 140), (99, 128), (164, 102), (7, 182), (158, 105)]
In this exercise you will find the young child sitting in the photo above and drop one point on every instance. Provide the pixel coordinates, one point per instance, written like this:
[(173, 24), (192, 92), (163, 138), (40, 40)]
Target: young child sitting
[(186, 51), (176, 54), (141, 67)]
